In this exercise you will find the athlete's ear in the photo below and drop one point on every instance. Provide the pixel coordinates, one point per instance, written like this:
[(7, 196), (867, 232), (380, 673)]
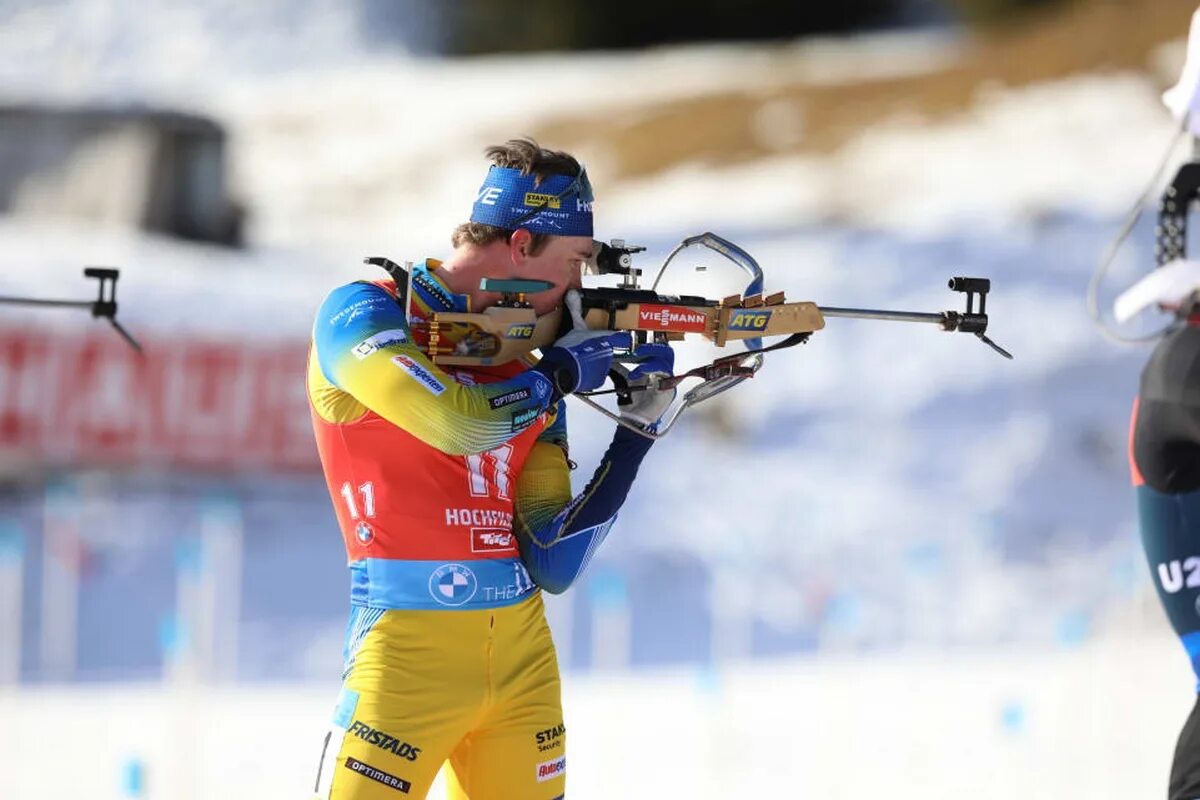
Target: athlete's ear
[(519, 245)]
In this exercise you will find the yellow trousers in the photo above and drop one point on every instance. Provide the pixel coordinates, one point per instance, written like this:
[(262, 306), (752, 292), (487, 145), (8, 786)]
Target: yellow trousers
[(476, 689)]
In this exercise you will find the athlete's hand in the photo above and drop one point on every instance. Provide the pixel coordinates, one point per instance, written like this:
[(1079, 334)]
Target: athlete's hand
[(646, 403), (579, 361)]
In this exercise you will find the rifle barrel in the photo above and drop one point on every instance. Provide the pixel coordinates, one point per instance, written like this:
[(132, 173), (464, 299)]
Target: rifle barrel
[(35, 301), (894, 316)]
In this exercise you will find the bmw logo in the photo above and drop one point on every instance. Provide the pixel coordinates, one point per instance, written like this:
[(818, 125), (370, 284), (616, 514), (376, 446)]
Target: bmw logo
[(452, 584), (364, 533)]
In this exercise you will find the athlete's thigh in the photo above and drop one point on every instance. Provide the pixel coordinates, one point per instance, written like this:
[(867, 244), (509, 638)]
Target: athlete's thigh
[(525, 761), (411, 693), (519, 749), (377, 748)]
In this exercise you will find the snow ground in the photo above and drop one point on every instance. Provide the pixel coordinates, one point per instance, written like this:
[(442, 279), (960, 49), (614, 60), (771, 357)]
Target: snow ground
[(986, 724)]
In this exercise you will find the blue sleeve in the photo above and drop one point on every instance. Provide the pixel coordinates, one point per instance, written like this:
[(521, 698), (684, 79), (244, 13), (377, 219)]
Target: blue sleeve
[(556, 547)]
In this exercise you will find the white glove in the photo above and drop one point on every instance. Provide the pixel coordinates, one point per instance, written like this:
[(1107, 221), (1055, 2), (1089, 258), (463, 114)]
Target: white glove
[(580, 360), (647, 402)]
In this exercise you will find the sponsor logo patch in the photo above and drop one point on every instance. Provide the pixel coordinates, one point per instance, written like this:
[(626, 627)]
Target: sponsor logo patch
[(507, 399), (536, 199), (523, 420), (671, 318), (452, 584), (357, 308), (419, 374), (492, 540), (377, 775), (549, 770), (489, 195), (378, 342), (384, 741), (749, 320), (480, 518), (364, 533), (550, 738), (521, 331), (522, 584), (431, 286)]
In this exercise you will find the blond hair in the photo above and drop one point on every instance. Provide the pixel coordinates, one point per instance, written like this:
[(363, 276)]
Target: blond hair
[(532, 159)]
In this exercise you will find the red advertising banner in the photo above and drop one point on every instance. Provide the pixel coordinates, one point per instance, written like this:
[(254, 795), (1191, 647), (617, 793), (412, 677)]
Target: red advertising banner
[(86, 398)]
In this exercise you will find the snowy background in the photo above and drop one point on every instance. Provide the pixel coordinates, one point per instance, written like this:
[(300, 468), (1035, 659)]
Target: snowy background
[(911, 542)]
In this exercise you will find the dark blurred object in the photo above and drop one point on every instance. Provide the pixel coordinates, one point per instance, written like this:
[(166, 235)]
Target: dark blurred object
[(157, 170), (487, 26), (995, 12)]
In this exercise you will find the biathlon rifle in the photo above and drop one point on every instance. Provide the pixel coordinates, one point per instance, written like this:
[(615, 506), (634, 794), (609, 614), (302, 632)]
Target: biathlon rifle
[(510, 329), (103, 307)]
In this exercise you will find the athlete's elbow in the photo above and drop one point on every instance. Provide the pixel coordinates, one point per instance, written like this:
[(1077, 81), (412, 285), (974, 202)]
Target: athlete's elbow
[(555, 587), (552, 581)]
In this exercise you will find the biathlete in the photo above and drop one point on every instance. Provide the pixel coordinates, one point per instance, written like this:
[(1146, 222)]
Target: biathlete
[(452, 492)]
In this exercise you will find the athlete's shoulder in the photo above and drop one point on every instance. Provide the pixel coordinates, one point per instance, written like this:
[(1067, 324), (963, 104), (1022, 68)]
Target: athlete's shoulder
[(357, 319), (350, 302)]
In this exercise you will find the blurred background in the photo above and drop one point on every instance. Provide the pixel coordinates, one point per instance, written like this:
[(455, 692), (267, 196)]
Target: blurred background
[(892, 564)]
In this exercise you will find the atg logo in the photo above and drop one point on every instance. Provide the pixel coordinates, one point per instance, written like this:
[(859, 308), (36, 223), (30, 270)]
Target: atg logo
[(452, 584), (749, 320), (675, 318), (549, 770), (519, 332)]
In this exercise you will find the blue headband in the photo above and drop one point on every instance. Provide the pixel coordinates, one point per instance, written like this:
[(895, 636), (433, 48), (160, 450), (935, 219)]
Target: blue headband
[(560, 205)]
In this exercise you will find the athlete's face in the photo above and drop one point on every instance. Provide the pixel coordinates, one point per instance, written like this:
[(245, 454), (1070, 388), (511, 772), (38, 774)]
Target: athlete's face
[(560, 262)]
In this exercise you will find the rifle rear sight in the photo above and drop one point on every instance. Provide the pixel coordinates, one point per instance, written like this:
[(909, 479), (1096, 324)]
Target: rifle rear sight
[(616, 258)]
